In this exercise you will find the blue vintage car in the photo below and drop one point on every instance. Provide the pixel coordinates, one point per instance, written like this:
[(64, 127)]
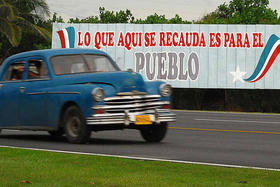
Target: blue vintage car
[(76, 91)]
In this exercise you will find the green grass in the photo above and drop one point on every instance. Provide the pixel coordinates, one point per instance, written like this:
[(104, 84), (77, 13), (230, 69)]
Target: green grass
[(58, 169)]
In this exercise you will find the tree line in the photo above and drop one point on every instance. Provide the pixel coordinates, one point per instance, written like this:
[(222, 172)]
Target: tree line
[(26, 24)]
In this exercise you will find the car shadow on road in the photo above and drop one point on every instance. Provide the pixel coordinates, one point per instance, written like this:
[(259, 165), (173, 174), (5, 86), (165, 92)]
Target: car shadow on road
[(102, 141), (34, 138), (62, 139)]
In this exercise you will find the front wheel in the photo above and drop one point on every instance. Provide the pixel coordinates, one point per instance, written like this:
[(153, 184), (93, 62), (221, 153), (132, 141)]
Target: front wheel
[(75, 126), (154, 133)]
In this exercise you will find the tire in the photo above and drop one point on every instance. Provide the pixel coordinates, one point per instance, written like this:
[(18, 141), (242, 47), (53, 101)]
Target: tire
[(58, 132), (75, 126), (154, 133)]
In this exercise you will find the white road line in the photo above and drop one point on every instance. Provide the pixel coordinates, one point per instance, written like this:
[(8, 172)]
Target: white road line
[(141, 158), (238, 121), (226, 112)]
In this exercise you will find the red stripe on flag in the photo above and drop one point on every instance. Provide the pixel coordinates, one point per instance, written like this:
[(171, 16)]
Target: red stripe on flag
[(62, 38), (270, 62)]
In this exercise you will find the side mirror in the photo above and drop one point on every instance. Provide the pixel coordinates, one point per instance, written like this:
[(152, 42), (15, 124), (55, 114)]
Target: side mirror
[(131, 71)]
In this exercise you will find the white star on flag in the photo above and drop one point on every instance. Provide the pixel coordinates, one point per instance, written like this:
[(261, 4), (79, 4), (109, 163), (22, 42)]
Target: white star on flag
[(237, 75)]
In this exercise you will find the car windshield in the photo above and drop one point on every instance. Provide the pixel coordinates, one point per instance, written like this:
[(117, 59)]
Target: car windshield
[(71, 64)]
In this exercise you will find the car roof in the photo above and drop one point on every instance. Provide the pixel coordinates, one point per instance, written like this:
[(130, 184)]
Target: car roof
[(53, 52)]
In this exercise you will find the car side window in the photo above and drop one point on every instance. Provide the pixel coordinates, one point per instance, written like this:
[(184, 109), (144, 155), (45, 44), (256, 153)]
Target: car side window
[(37, 69), (14, 72)]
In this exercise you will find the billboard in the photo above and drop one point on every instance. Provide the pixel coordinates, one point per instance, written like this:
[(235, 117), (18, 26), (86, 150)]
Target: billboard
[(185, 55)]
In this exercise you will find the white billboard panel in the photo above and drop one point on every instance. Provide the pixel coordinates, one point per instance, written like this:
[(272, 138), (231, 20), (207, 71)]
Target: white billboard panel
[(185, 55)]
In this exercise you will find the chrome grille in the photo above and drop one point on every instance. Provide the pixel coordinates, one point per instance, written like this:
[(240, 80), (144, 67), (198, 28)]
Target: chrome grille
[(132, 103)]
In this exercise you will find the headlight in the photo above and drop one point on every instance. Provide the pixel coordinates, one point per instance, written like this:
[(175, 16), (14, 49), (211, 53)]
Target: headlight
[(165, 90), (98, 94)]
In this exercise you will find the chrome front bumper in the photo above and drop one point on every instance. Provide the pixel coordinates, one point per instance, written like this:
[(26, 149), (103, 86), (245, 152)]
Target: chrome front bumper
[(127, 118)]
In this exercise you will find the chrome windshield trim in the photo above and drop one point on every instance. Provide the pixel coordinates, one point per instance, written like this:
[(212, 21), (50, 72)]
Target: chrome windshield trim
[(40, 93), (37, 93), (39, 79), (136, 105), (25, 80), (163, 115), (131, 101), (135, 92), (116, 115), (131, 97), (63, 92)]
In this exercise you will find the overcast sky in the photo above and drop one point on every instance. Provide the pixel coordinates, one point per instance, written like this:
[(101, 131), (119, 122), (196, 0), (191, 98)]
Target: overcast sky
[(187, 9)]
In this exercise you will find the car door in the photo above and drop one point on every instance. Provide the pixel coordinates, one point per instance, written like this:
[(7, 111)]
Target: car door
[(33, 104), (10, 90)]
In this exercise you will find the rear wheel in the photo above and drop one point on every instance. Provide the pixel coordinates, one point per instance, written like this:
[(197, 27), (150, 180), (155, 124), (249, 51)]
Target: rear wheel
[(154, 133), (75, 126)]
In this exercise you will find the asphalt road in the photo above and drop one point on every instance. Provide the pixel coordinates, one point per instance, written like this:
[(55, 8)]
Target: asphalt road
[(221, 138)]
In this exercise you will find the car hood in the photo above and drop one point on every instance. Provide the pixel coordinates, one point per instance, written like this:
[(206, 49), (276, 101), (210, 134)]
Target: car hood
[(121, 81)]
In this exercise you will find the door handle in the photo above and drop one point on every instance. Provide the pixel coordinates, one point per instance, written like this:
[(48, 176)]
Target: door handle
[(22, 89)]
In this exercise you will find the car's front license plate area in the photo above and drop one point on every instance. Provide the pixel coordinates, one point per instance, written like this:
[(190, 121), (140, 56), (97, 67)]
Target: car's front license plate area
[(142, 120)]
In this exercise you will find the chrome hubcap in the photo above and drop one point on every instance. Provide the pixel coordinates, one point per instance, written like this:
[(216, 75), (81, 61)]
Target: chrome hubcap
[(73, 126)]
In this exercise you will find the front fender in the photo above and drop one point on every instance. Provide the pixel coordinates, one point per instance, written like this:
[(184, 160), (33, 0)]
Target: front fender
[(80, 94), (153, 88)]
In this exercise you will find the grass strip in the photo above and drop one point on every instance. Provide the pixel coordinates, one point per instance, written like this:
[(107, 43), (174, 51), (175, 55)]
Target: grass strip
[(19, 167)]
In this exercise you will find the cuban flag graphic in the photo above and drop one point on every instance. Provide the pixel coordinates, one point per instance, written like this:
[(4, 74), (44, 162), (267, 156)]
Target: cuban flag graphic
[(67, 37), (269, 54)]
